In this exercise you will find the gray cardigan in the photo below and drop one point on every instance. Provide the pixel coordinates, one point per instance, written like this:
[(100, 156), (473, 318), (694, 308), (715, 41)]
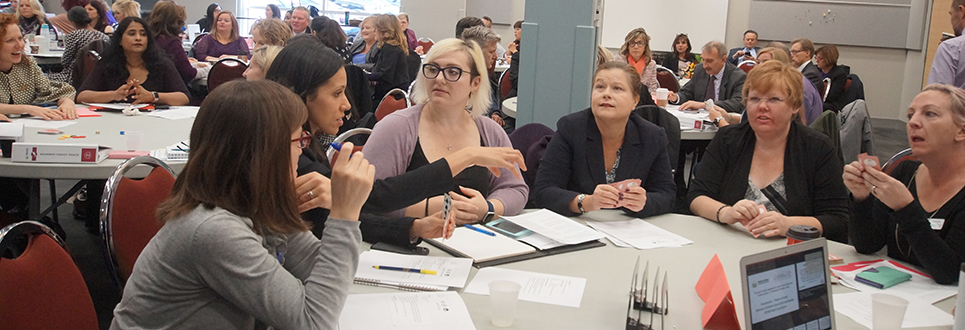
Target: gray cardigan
[(208, 269)]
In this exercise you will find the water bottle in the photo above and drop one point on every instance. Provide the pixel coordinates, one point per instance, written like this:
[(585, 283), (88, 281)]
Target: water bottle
[(45, 31)]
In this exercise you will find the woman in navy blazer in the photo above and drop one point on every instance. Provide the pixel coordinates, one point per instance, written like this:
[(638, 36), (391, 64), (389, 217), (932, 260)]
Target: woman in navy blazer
[(602, 145)]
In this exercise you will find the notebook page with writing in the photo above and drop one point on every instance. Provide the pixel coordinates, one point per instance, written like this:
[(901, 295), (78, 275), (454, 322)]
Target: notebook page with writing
[(481, 247), (450, 272)]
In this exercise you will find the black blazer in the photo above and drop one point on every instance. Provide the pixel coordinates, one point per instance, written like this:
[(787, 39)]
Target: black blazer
[(730, 88), (387, 195), (573, 164), (671, 62), (735, 61), (812, 174), (391, 70), (836, 99), (813, 74)]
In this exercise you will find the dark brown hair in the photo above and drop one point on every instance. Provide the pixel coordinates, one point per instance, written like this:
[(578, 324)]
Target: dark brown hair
[(633, 78), (240, 160), (830, 54), (166, 19)]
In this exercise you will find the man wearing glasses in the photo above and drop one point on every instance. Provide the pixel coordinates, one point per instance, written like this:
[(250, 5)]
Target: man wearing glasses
[(801, 52), (715, 79), (748, 52)]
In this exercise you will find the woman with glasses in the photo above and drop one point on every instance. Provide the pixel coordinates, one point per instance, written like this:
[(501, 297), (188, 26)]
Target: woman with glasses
[(772, 172), (233, 248), (446, 125), (917, 210), (681, 61), (636, 52), (596, 149)]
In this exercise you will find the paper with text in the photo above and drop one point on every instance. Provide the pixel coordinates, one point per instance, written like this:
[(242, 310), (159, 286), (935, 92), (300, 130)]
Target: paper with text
[(555, 226), (536, 287), (451, 272), (920, 313), (405, 311), (639, 233), (919, 286)]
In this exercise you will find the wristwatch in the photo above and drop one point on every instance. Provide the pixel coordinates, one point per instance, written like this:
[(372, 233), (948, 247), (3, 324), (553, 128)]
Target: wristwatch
[(717, 121), (156, 97), (490, 214), (579, 203)]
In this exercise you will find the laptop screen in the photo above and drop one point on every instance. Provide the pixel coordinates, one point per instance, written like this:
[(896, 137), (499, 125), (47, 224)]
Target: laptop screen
[(789, 291)]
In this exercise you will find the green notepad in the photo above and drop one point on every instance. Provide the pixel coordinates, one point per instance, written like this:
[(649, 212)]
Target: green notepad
[(882, 277)]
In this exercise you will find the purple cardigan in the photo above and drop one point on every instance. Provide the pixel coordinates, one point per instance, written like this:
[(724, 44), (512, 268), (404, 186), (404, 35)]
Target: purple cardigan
[(410, 37), (393, 140), (172, 47), (207, 46)]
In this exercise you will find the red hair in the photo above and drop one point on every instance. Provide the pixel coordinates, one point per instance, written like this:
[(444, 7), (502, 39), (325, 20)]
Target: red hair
[(6, 20)]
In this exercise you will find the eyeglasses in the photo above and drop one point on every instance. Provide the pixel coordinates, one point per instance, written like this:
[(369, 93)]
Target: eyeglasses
[(451, 73), (637, 44), (771, 101), (796, 51), (304, 140)]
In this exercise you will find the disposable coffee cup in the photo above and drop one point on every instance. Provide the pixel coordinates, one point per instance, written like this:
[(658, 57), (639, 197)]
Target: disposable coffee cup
[(133, 140), (42, 44), (503, 296), (662, 94), (800, 233), (887, 311)]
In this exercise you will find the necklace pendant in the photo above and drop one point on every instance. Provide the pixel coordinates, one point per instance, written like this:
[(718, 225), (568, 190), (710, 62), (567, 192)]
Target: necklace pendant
[(449, 147)]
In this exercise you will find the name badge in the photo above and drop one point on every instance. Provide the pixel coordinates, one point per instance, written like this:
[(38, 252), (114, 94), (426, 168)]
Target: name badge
[(936, 224)]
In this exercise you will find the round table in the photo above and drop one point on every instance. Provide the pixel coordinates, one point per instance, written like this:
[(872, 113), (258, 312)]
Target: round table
[(509, 107), (48, 58), (158, 133)]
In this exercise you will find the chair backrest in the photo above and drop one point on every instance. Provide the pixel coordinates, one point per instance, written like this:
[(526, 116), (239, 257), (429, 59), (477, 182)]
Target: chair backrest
[(828, 124), (395, 99), (127, 213), (225, 70), (667, 79), (426, 44), (332, 154), (198, 38), (82, 66), (411, 86), (827, 88), (505, 85), (857, 135), (746, 65), (899, 157), (524, 138), (40, 284), (670, 124)]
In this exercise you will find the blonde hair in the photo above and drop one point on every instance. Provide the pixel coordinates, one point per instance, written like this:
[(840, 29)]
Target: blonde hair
[(638, 32), (264, 55), (774, 74), (776, 54), (36, 8), (956, 100), (129, 8), (403, 15), (273, 30), (480, 101), (602, 56)]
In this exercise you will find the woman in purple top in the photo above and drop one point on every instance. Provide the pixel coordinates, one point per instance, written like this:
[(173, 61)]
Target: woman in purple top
[(166, 21), (452, 80), (224, 40)]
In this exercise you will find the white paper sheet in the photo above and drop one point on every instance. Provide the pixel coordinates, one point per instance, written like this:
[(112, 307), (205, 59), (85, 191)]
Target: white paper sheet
[(857, 306), (639, 233), (34, 122), (451, 272), (117, 106), (919, 286), (540, 242), (175, 113), (536, 287), (555, 226), (405, 311)]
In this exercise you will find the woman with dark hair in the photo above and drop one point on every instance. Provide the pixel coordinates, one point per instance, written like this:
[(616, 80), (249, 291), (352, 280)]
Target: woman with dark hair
[(97, 11), (331, 35), (77, 39), (166, 21), (826, 58), (207, 22), (272, 11), (391, 69), (681, 61), (134, 69), (316, 74), (233, 249), (223, 41)]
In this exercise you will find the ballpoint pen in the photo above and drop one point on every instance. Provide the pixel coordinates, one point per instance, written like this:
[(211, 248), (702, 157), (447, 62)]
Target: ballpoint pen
[(410, 270), (480, 230)]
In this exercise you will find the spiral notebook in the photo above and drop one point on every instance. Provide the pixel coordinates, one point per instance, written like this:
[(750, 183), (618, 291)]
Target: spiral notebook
[(450, 272)]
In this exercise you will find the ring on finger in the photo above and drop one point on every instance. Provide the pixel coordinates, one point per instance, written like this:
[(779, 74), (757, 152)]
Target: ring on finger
[(873, 188), (311, 195)]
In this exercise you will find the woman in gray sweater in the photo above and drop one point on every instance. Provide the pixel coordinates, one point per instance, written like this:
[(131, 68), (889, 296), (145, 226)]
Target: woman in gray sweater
[(233, 247)]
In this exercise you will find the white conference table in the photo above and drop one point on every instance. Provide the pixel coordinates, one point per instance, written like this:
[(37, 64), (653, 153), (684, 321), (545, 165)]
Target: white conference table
[(509, 107), (158, 133), (608, 270), (48, 58)]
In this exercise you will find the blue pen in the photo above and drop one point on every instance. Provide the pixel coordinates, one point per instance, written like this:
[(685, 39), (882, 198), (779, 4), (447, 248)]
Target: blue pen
[(338, 147), (480, 230)]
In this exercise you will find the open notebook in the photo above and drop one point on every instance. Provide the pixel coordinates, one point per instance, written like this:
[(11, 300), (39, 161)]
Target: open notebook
[(488, 250), (450, 272)]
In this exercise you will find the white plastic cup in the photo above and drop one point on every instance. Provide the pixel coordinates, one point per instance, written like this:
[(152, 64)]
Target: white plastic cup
[(44, 45), (662, 94), (503, 296), (133, 140), (887, 311)]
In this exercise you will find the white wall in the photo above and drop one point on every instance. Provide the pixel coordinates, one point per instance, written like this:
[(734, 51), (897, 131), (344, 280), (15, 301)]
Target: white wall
[(437, 19)]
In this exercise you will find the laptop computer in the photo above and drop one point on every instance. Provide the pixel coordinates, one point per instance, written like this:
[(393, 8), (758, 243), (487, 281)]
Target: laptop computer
[(788, 288)]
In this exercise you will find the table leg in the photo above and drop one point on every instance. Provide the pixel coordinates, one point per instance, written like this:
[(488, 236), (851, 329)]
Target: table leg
[(33, 194)]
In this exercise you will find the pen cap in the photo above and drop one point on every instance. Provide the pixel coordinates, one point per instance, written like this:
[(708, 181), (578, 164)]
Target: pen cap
[(800, 233)]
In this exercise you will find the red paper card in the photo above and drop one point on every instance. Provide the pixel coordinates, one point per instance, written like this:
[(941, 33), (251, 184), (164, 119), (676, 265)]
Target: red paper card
[(86, 112), (719, 312)]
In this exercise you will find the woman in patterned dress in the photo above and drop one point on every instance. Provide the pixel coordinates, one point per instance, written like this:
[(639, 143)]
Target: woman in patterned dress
[(23, 84), (77, 39)]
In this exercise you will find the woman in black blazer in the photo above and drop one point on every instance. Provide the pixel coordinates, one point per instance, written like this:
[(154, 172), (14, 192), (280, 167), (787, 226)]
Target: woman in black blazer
[(681, 55), (391, 69), (773, 162), (606, 144), (827, 60)]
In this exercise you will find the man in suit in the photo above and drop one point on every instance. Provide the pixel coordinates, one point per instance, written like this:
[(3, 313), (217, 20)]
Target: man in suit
[(748, 52), (715, 79), (801, 52)]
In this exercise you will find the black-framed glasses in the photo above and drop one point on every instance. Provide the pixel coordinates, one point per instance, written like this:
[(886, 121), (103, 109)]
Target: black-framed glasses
[(637, 44), (304, 140), (451, 73)]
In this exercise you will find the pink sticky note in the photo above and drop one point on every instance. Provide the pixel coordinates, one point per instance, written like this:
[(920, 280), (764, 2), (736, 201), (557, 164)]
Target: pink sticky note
[(86, 112)]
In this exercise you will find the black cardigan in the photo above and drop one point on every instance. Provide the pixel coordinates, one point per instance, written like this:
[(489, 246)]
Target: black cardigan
[(387, 195), (573, 164), (671, 62), (812, 175), (837, 99), (940, 252), (391, 70)]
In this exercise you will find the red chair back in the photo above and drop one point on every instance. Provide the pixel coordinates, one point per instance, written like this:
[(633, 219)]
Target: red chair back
[(667, 79), (746, 66), (899, 157), (505, 86), (847, 85), (42, 288), (395, 100), (333, 155), (225, 70), (426, 45)]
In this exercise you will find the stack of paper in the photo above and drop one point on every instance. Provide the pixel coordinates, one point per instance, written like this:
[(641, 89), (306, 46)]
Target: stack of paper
[(409, 311), (450, 272), (920, 313), (535, 287), (920, 286), (175, 113), (639, 234), (177, 152), (555, 227)]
